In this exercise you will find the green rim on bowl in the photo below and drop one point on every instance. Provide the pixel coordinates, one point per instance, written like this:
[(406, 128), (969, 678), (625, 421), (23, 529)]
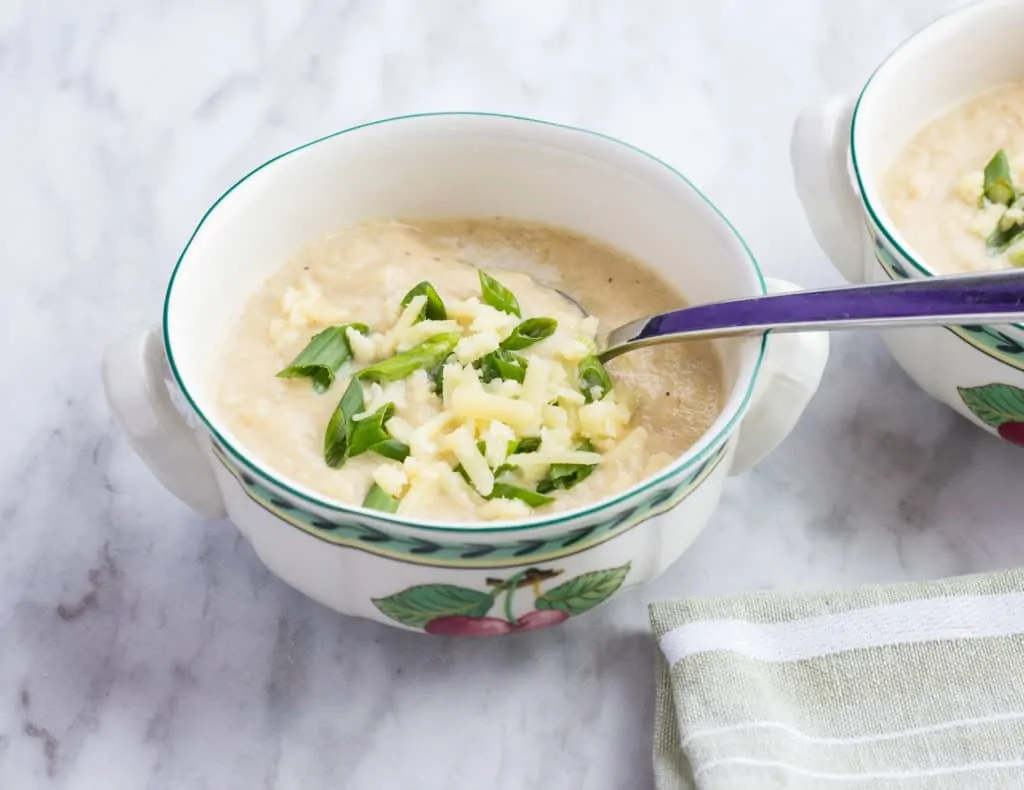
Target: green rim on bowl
[(706, 444), (876, 216)]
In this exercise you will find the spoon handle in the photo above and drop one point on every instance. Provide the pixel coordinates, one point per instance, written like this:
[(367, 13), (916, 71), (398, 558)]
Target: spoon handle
[(993, 297)]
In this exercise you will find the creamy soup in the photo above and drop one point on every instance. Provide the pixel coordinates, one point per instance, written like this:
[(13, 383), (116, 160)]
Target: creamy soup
[(421, 367), (955, 191)]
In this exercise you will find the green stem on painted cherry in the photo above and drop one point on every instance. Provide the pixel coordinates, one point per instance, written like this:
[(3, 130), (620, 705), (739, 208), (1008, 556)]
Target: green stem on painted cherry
[(510, 587)]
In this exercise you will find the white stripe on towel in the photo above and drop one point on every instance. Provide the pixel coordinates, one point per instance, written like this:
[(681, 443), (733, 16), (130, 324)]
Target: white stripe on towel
[(743, 762), (921, 620), (851, 741)]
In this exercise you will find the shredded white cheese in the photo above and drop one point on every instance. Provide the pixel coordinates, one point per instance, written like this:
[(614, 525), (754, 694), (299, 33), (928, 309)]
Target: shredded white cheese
[(970, 187), (497, 437), (472, 347), (487, 319), (470, 423), (392, 479), (1011, 217), (536, 382), (505, 508), (986, 220), (424, 330), (400, 429), (364, 347), (423, 441), (479, 405), (463, 445), (603, 419)]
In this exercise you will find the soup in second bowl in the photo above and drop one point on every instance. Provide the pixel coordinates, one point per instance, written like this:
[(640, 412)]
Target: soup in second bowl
[(956, 190), (419, 367)]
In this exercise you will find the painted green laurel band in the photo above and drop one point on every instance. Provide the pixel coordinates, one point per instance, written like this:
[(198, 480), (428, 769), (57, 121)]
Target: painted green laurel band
[(987, 339)]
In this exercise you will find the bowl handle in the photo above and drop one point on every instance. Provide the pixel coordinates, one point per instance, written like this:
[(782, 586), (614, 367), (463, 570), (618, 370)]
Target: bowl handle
[(135, 381), (789, 377), (819, 153)]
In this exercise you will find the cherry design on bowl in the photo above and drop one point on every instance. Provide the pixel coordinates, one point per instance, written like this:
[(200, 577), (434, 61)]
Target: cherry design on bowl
[(999, 406), (449, 610)]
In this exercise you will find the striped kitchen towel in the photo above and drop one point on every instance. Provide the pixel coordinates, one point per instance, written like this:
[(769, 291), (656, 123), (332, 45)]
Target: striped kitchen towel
[(912, 686)]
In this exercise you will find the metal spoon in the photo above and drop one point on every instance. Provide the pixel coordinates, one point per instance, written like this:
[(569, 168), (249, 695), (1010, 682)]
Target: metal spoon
[(990, 298)]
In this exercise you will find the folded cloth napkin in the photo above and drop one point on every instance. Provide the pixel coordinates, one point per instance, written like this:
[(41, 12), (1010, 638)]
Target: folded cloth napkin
[(912, 686)]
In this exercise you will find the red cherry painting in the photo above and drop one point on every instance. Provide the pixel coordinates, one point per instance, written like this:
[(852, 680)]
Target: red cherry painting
[(540, 618), (1012, 432), (460, 625), (1000, 407)]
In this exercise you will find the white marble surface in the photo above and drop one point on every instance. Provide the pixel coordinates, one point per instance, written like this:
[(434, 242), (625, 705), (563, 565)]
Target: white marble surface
[(143, 648)]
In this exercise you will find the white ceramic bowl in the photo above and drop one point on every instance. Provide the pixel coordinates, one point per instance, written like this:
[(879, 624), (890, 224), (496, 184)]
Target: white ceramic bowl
[(477, 579), (841, 149)]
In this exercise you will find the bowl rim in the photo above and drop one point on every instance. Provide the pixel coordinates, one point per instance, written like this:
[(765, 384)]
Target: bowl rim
[(936, 25), (705, 446)]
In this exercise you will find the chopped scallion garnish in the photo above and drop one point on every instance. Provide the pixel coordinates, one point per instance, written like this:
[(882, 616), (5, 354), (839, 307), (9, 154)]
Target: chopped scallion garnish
[(507, 491), (434, 309), (341, 425), (529, 444), (497, 295), (530, 331), (1001, 238), (502, 364), (565, 476), (426, 356), (379, 499), (594, 382), (531, 498), (325, 353), (369, 434), (998, 185)]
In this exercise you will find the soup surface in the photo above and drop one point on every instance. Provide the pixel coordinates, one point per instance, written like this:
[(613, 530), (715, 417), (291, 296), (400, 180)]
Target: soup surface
[(459, 405), (954, 191)]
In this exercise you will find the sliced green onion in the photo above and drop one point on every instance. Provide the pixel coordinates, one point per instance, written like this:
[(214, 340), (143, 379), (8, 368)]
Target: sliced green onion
[(565, 476), (506, 491), (1001, 238), (369, 435), (323, 355), (530, 444), (497, 295), (379, 499), (461, 470), (370, 430), (392, 448), (998, 181), (341, 425), (502, 364), (1016, 255), (530, 331), (436, 376), (427, 355), (531, 498), (594, 380), (434, 309)]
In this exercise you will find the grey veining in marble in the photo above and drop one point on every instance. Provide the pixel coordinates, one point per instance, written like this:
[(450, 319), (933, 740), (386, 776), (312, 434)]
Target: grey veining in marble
[(141, 647)]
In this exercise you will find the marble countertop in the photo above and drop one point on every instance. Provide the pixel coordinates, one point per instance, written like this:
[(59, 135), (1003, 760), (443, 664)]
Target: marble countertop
[(141, 647)]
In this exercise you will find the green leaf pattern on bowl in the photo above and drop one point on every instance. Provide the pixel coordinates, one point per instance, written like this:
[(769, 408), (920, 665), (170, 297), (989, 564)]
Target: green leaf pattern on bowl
[(996, 343), (462, 611)]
